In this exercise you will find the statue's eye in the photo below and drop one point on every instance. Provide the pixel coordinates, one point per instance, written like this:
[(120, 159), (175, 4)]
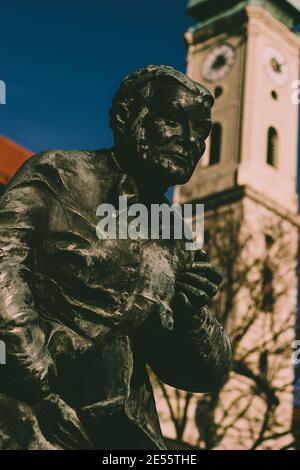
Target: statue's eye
[(208, 102), (171, 122)]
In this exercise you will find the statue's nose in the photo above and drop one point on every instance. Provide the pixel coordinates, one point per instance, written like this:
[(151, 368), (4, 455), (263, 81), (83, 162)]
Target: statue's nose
[(192, 138), (192, 134)]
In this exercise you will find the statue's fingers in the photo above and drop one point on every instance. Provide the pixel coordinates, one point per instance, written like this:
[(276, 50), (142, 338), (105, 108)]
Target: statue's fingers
[(182, 300), (60, 442), (202, 283), (67, 438), (211, 272), (196, 296), (73, 435), (184, 310), (201, 255), (77, 430), (60, 437)]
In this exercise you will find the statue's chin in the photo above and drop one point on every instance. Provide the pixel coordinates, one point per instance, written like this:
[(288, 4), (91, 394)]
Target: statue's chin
[(181, 180), (164, 168), (177, 177), (179, 174)]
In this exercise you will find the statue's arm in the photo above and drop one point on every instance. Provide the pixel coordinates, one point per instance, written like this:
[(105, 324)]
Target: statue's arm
[(27, 374), (196, 360), (23, 215), (196, 355)]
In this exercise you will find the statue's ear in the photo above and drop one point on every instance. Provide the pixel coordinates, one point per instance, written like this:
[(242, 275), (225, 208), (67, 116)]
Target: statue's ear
[(121, 115), (208, 101)]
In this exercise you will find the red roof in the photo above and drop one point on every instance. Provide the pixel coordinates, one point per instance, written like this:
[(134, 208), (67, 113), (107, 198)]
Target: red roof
[(12, 156)]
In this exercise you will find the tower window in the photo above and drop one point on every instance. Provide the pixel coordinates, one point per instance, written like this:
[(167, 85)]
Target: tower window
[(274, 95), (218, 91), (269, 241), (216, 142), (272, 151), (268, 298)]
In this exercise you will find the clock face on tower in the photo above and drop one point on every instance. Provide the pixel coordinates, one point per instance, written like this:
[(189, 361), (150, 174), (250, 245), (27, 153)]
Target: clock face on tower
[(275, 65), (218, 63)]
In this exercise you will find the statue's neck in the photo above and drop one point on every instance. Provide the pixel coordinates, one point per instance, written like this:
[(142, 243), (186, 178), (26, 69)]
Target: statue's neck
[(149, 187)]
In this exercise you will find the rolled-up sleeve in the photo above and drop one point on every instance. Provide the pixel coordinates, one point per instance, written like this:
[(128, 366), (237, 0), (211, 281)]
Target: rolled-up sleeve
[(197, 361)]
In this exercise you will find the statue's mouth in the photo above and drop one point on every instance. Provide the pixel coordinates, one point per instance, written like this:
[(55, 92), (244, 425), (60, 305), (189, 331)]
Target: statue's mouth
[(182, 158), (179, 159), (177, 155)]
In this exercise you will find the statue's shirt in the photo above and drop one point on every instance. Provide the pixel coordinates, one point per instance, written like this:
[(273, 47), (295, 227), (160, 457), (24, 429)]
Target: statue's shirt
[(93, 295)]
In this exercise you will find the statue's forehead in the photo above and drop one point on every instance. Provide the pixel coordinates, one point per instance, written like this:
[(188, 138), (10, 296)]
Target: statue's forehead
[(188, 98), (178, 93)]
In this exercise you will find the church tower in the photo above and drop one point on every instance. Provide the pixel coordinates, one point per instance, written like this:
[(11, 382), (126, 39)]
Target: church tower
[(247, 53)]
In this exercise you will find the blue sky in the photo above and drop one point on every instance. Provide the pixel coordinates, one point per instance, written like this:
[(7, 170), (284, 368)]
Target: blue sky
[(62, 61)]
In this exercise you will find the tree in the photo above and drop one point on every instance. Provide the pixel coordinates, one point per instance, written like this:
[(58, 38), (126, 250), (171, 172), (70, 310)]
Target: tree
[(257, 251)]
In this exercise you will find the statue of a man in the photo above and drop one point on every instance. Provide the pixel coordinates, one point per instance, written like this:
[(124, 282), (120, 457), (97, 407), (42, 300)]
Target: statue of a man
[(82, 317)]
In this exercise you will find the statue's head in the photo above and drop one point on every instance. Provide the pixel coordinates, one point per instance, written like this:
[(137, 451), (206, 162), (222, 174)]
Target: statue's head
[(160, 120)]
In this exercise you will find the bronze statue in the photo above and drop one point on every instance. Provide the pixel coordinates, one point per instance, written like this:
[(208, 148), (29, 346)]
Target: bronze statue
[(82, 317)]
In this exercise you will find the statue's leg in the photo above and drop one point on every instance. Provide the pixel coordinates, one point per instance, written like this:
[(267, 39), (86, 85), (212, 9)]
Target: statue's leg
[(19, 428)]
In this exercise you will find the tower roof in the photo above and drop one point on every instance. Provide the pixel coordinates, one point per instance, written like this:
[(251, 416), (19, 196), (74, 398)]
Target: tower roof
[(202, 10), (12, 156)]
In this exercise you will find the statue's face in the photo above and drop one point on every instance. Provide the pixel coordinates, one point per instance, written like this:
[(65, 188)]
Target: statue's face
[(167, 136)]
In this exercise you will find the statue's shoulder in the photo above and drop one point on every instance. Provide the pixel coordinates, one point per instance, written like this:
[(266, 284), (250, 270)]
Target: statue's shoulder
[(65, 160), (75, 166)]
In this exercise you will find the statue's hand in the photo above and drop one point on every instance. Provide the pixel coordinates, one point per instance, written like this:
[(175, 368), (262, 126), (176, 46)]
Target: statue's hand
[(195, 287), (60, 424)]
